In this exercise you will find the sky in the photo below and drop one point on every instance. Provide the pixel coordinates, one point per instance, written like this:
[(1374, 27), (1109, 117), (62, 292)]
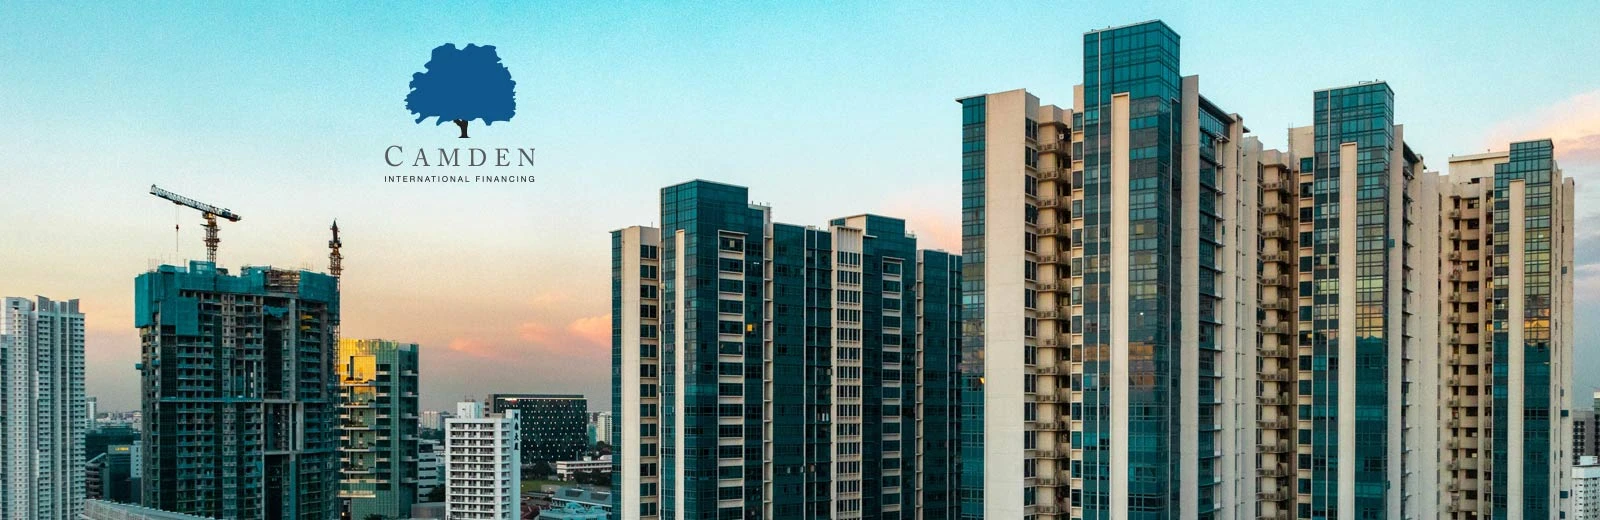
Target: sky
[(282, 112)]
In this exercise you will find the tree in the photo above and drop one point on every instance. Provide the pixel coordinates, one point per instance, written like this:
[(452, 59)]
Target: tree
[(437, 495), (461, 85)]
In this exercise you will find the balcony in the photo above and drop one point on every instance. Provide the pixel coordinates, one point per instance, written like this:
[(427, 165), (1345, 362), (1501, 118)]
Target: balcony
[(1051, 202), (1278, 280), (1282, 257), (1455, 214), (1272, 233), (1275, 352), (1281, 423), (1273, 471), (1050, 175), (1281, 304), (1279, 376), (1282, 399), (1276, 328), (1275, 209), (1051, 146), (1281, 446), (1273, 496)]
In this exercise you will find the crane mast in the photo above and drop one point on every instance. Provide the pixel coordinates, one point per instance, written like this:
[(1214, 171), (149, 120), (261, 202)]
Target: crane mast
[(335, 260), (209, 212)]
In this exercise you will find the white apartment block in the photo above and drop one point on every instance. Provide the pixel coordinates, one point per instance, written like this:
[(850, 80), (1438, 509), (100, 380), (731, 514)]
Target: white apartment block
[(43, 409), (483, 464), (1586, 489)]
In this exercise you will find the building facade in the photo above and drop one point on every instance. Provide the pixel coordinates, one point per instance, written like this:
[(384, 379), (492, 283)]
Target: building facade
[(430, 469), (239, 392), (554, 427), (378, 423), (483, 464), (1181, 323), (114, 476), (42, 402), (811, 391), (1109, 295), (1507, 236)]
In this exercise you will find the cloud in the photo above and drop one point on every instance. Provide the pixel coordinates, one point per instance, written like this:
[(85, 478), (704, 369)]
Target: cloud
[(534, 332), (471, 347), (594, 329), (1572, 124)]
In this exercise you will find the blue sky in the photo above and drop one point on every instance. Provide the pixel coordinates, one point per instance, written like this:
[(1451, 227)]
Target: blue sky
[(282, 112)]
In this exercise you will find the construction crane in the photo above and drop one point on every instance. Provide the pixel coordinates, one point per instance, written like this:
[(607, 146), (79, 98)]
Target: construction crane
[(210, 212), (335, 260)]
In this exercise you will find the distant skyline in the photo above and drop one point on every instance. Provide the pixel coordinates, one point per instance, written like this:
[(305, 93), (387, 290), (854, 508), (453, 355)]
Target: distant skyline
[(282, 113)]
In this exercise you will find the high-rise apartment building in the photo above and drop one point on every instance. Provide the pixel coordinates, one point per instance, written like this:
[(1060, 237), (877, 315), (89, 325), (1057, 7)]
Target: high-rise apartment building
[(378, 426), (1179, 323), (767, 370), (239, 392), (430, 469), (554, 427), (1586, 489), (1507, 238), (483, 464), (42, 409), (1109, 291)]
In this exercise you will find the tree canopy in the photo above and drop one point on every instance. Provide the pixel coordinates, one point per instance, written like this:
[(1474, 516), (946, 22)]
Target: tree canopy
[(463, 84)]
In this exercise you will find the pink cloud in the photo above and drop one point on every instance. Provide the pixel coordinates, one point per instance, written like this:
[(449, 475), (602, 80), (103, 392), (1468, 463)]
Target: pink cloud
[(534, 332), (472, 347), (1572, 124), (594, 329)]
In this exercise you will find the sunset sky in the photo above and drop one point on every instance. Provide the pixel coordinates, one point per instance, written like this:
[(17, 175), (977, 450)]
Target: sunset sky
[(282, 113)]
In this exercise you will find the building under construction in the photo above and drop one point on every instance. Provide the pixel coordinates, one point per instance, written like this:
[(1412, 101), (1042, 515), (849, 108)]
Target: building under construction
[(240, 402)]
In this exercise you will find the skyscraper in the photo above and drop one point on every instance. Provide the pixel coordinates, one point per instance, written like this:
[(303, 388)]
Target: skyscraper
[(378, 426), (483, 464), (42, 409), (239, 393), (767, 370), (1508, 239), (1109, 295), (554, 427)]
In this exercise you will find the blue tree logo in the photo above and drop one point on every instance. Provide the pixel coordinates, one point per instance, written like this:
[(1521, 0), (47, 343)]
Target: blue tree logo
[(461, 85)]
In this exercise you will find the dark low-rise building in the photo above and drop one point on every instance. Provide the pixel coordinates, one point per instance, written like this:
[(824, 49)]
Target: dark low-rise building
[(554, 427)]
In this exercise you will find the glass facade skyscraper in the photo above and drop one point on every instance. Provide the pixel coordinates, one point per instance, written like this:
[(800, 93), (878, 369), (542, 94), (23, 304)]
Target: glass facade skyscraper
[(804, 372), (378, 384)]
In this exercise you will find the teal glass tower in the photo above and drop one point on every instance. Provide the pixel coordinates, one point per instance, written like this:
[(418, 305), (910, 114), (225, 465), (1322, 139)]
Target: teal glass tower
[(239, 397), (797, 372), (378, 384)]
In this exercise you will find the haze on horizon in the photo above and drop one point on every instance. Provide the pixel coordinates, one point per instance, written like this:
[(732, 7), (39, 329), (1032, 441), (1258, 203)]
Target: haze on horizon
[(283, 112)]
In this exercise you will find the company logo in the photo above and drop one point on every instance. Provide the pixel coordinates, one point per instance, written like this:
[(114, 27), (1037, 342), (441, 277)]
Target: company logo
[(461, 85)]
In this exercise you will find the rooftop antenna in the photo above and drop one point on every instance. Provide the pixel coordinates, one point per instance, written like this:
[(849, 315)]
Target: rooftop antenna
[(335, 260)]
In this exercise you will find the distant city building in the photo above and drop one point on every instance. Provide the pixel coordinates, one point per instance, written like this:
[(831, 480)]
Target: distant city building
[(91, 407), (483, 464), (1586, 489), (240, 398), (42, 409), (114, 475), (569, 469), (602, 427), (433, 419), (430, 468), (553, 426), (378, 426), (1585, 436), (104, 510), (768, 370), (99, 439), (578, 504)]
